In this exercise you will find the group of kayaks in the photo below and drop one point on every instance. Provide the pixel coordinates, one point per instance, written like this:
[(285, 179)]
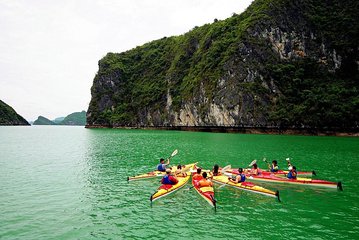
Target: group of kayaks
[(222, 178)]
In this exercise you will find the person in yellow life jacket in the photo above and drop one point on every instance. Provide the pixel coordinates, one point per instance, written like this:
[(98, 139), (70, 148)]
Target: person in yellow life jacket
[(204, 182)]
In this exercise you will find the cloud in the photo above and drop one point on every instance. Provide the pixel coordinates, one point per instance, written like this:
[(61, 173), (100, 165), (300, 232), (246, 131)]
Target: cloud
[(50, 49)]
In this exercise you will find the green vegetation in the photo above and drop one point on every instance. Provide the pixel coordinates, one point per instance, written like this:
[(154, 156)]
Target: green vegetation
[(43, 121), (8, 116), (76, 118), (58, 120), (310, 92)]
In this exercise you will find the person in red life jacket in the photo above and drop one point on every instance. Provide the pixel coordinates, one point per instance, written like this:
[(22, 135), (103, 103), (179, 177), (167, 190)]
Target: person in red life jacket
[(168, 178), (162, 166), (255, 170), (292, 174), (204, 182), (241, 177), (197, 176)]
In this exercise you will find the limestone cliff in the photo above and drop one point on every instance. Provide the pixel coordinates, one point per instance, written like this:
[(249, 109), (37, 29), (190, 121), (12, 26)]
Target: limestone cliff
[(8, 116), (281, 63)]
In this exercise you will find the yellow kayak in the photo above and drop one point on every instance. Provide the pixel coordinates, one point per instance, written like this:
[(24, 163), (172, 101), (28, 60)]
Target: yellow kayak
[(156, 173), (166, 189), (246, 186)]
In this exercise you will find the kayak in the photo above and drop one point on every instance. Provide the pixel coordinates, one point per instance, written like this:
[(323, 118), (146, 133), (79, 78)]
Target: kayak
[(156, 173), (166, 189), (206, 192), (285, 172), (246, 186), (299, 181)]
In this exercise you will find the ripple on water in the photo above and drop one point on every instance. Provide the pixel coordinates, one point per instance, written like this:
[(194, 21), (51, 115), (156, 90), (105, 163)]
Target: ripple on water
[(70, 183)]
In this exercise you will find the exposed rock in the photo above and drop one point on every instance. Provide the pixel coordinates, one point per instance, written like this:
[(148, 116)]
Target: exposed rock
[(278, 64), (8, 116)]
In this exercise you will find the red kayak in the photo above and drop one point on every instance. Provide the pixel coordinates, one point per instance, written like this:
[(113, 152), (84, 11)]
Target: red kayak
[(299, 181), (206, 192), (285, 172)]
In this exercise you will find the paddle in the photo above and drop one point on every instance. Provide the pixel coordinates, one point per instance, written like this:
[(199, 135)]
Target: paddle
[(223, 172), (252, 163), (289, 164), (173, 154)]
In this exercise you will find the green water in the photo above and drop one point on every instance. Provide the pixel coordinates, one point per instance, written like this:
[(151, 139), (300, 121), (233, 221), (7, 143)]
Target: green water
[(70, 183)]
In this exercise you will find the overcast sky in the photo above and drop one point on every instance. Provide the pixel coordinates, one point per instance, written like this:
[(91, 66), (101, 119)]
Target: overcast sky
[(49, 49)]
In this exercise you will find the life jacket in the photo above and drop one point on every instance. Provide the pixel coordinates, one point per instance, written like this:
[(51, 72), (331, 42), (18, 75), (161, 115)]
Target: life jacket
[(243, 177), (292, 176), (161, 167), (204, 183), (166, 180)]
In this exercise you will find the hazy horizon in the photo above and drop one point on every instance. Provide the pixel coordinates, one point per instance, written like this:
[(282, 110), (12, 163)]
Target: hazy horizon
[(50, 49)]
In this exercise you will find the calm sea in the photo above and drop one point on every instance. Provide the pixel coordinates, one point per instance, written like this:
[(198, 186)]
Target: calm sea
[(70, 183)]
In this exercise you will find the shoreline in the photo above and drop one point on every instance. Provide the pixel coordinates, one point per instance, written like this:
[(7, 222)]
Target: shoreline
[(246, 130)]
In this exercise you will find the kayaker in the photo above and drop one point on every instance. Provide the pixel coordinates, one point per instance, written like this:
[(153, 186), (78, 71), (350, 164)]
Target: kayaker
[(162, 166), (255, 170), (197, 176), (274, 166), (179, 172), (168, 178), (241, 177), (216, 170), (204, 182), (292, 174)]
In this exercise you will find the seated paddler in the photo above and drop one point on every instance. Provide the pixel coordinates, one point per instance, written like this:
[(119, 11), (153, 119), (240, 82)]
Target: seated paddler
[(204, 182), (292, 174), (241, 177), (162, 166), (168, 178)]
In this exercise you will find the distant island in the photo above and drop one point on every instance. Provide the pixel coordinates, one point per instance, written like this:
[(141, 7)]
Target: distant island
[(280, 66), (8, 116), (73, 119)]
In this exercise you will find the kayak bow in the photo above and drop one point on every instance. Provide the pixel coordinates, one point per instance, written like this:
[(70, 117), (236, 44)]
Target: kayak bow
[(206, 192), (166, 189), (156, 173)]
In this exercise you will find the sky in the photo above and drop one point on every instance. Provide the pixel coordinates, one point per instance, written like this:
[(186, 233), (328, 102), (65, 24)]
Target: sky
[(49, 50)]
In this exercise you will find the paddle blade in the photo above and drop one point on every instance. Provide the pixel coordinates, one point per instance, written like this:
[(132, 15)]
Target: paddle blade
[(226, 168), (174, 153), (252, 163), (223, 185)]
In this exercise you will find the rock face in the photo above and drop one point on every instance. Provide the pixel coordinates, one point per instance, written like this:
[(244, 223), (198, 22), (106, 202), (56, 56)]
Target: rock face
[(281, 64), (8, 116), (75, 119), (43, 121)]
